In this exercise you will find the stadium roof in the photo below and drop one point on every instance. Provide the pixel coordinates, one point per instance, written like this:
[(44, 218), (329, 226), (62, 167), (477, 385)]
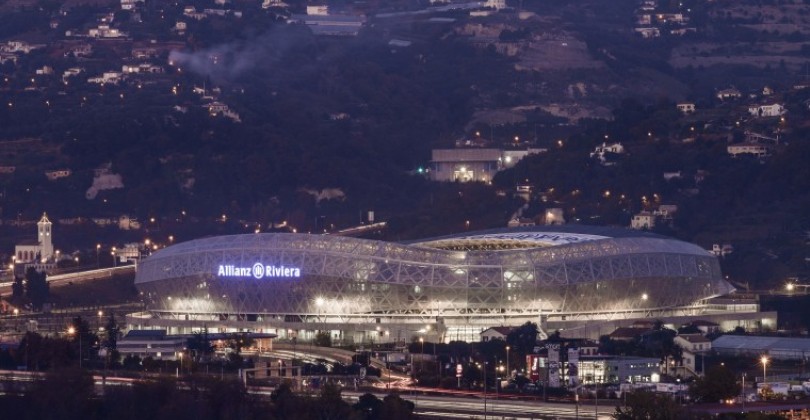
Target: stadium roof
[(531, 237)]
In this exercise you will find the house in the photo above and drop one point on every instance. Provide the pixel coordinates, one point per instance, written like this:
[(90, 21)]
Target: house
[(266, 4), (151, 343), (754, 149), (73, 71), (105, 32), (473, 164), (601, 152), (130, 4), (521, 222), (669, 176), (81, 50), (694, 343), (142, 68), (686, 107), (57, 174), (318, 10), (191, 12), (44, 71), (648, 32), (338, 25), (7, 169), (554, 216), (731, 93), (128, 223), (666, 211), (722, 250), (110, 77), (495, 333), (144, 52), (627, 333), (215, 108), (772, 110), (643, 220)]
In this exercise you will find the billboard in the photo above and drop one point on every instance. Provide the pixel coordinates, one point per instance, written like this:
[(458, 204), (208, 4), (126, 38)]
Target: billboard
[(573, 368), (554, 365)]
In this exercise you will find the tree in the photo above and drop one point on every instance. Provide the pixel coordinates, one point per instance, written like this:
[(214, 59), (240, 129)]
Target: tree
[(17, 288), (395, 408), (645, 405), (36, 287), (85, 342), (323, 339), (239, 341), (369, 406), (111, 331), (523, 339), (200, 345), (718, 384)]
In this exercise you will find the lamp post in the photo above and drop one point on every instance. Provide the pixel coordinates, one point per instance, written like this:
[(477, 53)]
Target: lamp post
[(71, 331), (422, 355), (764, 360), (98, 249), (508, 372)]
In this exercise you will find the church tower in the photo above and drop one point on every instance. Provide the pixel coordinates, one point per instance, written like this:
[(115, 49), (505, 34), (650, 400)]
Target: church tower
[(44, 237)]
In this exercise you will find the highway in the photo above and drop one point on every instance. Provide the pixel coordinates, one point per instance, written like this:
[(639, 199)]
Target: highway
[(78, 277), (458, 407), (426, 406)]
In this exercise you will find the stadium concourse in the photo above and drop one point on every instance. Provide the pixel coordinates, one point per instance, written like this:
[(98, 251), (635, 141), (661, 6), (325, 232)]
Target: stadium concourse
[(582, 279)]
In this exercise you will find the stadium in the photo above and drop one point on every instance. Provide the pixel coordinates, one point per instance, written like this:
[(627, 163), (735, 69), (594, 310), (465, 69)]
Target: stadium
[(442, 289)]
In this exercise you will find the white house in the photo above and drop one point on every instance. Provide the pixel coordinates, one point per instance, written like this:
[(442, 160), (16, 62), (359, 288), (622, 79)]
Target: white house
[(600, 151), (731, 93), (695, 343), (722, 250), (643, 220), (754, 149), (554, 216), (105, 32), (495, 333), (773, 110), (686, 107), (109, 77)]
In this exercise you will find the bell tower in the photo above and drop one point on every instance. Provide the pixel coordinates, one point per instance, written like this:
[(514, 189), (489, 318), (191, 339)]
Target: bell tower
[(44, 237)]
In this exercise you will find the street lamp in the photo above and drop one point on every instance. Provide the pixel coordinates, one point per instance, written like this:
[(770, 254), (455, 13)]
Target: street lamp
[(98, 249), (508, 372), (71, 331), (422, 356), (764, 360)]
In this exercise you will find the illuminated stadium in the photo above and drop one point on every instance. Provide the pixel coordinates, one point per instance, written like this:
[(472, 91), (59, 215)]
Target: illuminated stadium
[(448, 288)]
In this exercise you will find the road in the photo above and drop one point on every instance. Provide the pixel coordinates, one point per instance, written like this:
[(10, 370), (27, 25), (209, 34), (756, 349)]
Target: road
[(77, 277), (457, 407)]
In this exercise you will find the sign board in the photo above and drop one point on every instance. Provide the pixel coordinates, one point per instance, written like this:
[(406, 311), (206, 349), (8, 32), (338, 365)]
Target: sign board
[(459, 370), (573, 368), (554, 365), (258, 271)]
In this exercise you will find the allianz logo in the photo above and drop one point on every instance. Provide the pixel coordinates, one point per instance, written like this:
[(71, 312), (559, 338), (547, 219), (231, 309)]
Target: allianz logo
[(258, 271)]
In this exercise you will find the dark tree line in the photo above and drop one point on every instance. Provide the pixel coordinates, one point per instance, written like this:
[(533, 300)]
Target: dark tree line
[(70, 394)]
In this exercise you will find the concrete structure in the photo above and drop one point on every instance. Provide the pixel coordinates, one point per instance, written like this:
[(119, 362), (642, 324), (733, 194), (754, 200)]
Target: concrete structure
[(782, 348), (474, 164), (448, 288)]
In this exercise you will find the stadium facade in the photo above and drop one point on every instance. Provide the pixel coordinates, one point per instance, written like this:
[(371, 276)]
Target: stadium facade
[(448, 288)]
